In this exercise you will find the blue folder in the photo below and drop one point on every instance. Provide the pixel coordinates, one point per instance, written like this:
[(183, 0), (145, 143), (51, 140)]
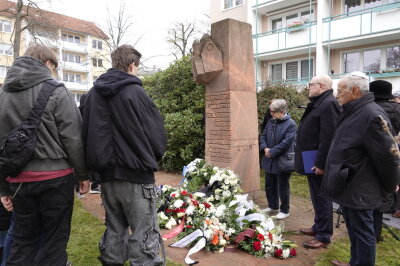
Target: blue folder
[(309, 160)]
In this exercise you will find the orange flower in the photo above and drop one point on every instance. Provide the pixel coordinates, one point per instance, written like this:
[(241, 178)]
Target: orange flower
[(215, 240), (207, 221)]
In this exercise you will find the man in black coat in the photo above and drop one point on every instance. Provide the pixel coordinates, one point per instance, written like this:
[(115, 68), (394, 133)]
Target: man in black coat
[(124, 137), (315, 134), (382, 90), (362, 164)]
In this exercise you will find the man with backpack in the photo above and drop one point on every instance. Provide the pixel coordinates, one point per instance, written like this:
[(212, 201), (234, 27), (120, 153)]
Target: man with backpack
[(41, 194)]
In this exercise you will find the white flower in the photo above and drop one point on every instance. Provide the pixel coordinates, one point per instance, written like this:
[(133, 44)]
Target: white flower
[(221, 250), (218, 191), (215, 168), (226, 194), (162, 216), (226, 181), (198, 195), (205, 174), (233, 182), (180, 214), (222, 241), (190, 210), (170, 223), (231, 231), (208, 233), (178, 203), (211, 198), (220, 210), (260, 230), (285, 253)]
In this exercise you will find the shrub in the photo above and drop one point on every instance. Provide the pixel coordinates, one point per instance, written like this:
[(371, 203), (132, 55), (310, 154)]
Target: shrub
[(293, 97), (181, 102)]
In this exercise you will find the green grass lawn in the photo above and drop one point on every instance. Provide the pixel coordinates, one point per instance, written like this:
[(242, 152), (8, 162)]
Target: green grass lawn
[(85, 235)]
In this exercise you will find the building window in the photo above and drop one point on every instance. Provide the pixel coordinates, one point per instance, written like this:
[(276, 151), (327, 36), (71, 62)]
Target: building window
[(5, 26), (69, 77), (372, 60), (97, 62), (70, 38), (277, 24), (307, 71), (351, 62), (97, 44), (232, 3), (71, 58), (3, 71), (393, 57), (291, 70), (357, 5), (276, 72), (6, 49)]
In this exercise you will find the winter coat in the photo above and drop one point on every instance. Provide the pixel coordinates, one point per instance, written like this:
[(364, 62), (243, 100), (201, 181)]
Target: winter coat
[(316, 129), (123, 131), (279, 135), (59, 142), (392, 110), (360, 163)]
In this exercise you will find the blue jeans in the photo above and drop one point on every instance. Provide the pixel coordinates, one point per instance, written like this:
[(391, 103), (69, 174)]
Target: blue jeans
[(360, 226), (277, 187), (8, 242)]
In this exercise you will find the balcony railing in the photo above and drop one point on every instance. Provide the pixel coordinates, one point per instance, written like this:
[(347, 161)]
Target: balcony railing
[(79, 67), (286, 38), (256, 3), (368, 21), (81, 86), (77, 47)]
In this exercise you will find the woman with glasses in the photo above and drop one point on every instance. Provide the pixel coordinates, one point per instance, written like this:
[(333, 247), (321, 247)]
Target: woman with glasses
[(277, 140)]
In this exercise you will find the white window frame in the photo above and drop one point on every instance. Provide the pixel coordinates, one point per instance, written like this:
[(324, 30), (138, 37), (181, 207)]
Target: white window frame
[(74, 77), (234, 5), (70, 38), (299, 78), (289, 13), (362, 6), (2, 28), (74, 56), (383, 49), (96, 42), (3, 50), (97, 62), (6, 69)]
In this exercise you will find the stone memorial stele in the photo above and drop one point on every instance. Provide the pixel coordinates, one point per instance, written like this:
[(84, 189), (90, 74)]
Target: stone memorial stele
[(224, 63)]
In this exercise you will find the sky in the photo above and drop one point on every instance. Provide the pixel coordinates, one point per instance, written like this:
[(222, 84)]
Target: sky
[(151, 20)]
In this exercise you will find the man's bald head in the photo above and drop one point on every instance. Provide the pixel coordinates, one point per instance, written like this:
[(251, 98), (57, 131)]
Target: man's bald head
[(319, 84)]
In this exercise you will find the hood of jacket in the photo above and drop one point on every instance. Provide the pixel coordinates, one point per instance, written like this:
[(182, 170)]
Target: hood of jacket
[(26, 72), (110, 83)]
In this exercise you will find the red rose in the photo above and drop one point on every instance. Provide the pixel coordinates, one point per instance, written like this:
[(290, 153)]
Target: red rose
[(207, 205), (257, 245), (173, 195), (270, 236), (190, 195), (167, 210), (195, 203), (191, 226), (260, 237), (184, 192), (292, 252), (278, 252)]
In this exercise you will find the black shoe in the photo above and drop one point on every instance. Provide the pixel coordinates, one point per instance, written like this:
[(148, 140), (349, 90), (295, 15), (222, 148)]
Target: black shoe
[(96, 190)]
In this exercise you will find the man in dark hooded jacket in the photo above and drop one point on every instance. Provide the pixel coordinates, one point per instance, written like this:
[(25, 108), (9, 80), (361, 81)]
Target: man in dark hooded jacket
[(124, 137), (42, 194)]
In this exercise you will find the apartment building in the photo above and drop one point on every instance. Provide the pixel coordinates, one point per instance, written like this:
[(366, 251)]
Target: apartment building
[(296, 39), (79, 45)]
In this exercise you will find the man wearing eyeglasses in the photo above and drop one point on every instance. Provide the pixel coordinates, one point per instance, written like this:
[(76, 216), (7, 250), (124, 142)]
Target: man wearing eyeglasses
[(362, 164), (314, 136)]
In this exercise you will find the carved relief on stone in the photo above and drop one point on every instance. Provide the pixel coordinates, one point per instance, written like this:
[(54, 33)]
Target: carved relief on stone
[(206, 60)]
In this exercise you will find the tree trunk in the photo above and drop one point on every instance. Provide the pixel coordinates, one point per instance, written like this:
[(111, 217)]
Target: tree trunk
[(17, 28)]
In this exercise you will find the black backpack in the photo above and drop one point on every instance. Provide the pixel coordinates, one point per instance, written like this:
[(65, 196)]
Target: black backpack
[(18, 146)]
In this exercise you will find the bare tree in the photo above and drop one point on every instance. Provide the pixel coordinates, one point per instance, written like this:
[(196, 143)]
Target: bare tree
[(180, 36), (29, 16)]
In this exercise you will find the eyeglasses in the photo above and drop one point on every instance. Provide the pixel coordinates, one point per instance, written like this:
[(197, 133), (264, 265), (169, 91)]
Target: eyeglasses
[(309, 84)]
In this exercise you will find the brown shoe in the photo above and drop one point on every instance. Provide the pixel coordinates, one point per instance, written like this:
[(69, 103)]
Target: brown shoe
[(396, 214), (314, 243), (307, 232), (339, 263)]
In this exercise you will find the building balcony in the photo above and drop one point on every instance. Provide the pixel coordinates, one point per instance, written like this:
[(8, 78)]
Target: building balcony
[(74, 47), (77, 67), (292, 41), (47, 41), (264, 6), (363, 27)]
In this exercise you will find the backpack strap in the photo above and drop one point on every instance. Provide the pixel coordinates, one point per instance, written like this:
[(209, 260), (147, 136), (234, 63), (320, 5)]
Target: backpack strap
[(46, 91)]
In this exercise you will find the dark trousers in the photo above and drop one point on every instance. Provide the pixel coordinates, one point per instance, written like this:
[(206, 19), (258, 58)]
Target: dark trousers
[(323, 209), (378, 220), (277, 187), (360, 226), (42, 222)]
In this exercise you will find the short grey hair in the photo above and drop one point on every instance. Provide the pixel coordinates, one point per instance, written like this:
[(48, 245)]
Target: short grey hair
[(359, 80), (278, 105)]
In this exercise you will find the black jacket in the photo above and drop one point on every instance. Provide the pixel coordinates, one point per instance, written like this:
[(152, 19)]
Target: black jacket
[(316, 129), (278, 135), (360, 163), (123, 131), (392, 110)]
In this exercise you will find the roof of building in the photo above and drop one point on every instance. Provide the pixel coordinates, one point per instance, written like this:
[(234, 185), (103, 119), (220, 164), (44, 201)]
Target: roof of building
[(7, 9)]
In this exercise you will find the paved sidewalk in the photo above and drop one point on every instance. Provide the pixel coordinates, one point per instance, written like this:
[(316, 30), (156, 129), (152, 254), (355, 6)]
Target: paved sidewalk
[(301, 216)]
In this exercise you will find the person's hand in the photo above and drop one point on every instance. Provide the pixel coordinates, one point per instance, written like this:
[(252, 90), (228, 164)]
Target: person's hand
[(317, 171), (84, 187), (397, 188), (267, 154), (7, 203)]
